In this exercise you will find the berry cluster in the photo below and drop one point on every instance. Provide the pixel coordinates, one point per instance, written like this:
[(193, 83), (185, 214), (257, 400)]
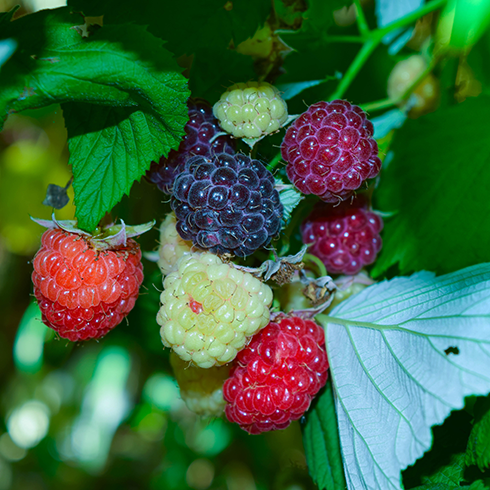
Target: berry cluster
[(200, 139), (344, 237), (215, 316), (210, 309), (251, 110), (330, 150), (227, 204), (274, 379)]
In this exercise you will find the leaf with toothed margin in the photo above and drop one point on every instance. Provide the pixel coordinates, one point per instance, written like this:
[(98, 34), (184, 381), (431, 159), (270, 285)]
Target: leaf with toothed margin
[(122, 93), (403, 354)]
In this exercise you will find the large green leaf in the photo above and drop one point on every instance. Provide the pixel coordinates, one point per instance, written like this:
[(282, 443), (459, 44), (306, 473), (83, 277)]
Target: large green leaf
[(403, 354), (437, 186), (134, 99), (321, 442)]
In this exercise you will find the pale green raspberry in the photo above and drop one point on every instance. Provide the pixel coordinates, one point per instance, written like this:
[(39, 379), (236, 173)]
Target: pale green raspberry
[(172, 247), (251, 110), (201, 389), (210, 309)]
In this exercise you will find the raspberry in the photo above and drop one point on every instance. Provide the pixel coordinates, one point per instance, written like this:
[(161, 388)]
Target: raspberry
[(251, 110), (345, 237), (330, 150), (84, 292), (425, 97), (201, 389), (172, 247), (274, 379), (200, 129), (227, 204), (209, 309)]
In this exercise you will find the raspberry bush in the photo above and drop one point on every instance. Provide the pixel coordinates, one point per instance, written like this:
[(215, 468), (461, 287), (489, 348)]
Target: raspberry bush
[(318, 175)]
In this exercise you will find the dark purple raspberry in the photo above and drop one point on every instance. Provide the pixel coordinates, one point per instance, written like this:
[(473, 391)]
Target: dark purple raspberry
[(344, 237), (330, 150), (226, 204), (200, 129)]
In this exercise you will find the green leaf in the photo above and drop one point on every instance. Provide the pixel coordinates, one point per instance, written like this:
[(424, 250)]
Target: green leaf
[(289, 198), (107, 160), (316, 21), (478, 450), (449, 475), (321, 442), (136, 98), (403, 354), (213, 70), (187, 24), (119, 65), (437, 186)]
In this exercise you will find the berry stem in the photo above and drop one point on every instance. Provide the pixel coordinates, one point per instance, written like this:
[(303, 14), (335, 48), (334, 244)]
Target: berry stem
[(374, 38), (361, 19), (319, 264), (411, 17), (274, 162), (361, 58)]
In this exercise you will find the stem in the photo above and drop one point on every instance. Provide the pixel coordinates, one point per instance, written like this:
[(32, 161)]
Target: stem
[(361, 19), (373, 38), (411, 17), (273, 163), (320, 265), (361, 58), (377, 105)]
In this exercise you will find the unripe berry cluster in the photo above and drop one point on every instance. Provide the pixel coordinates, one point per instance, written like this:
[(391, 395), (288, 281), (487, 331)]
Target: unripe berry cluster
[(251, 110)]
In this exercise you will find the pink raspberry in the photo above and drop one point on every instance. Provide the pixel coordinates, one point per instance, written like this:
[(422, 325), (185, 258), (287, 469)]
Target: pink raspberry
[(330, 150), (344, 237), (273, 380)]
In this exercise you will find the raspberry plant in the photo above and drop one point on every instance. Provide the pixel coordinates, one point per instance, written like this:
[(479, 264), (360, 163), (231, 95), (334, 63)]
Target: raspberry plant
[(327, 158)]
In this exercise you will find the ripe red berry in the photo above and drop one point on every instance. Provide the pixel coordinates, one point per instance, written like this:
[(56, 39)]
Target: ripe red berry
[(200, 129), (274, 379), (84, 292), (330, 150), (344, 237)]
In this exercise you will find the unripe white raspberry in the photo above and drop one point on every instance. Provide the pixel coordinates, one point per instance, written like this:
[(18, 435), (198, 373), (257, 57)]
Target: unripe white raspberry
[(210, 309), (251, 110), (172, 246), (201, 389), (403, 75)]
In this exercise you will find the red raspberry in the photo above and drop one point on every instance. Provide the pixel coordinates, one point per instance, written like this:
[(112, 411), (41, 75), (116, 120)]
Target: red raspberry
[(273, 380), (345, 237), (201, 127), (330, 150), (84, 292)]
